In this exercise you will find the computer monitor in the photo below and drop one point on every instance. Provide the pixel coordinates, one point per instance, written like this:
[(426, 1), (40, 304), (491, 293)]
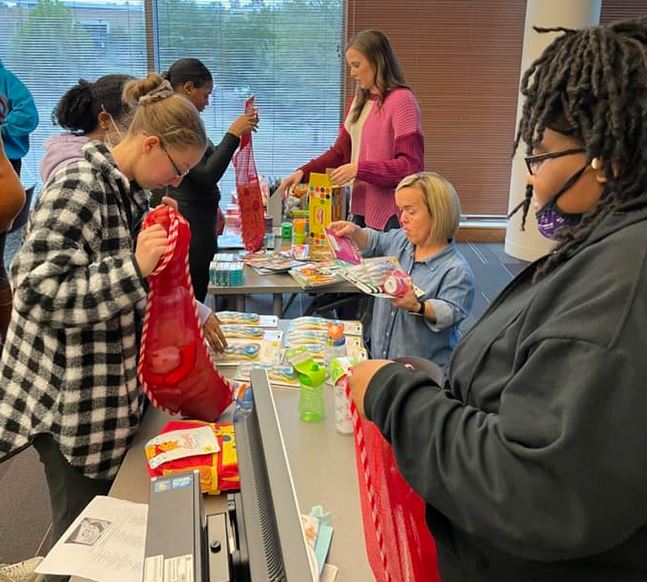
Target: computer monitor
[(270, 540)]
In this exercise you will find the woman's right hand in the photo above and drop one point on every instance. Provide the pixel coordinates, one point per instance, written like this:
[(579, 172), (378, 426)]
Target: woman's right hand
[(289, 182), (151, 244), (345, 228), (352, 231)]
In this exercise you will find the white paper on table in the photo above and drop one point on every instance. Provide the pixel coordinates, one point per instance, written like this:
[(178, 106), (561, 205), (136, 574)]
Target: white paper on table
[(104, 543)]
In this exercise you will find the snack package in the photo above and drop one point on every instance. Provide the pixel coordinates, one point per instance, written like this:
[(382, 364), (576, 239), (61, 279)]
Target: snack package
[(218, 470), (179, 444)]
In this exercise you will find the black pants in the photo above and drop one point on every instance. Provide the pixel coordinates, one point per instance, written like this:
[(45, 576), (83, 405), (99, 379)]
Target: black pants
[(69, 490), (201, 252), (17, 164)]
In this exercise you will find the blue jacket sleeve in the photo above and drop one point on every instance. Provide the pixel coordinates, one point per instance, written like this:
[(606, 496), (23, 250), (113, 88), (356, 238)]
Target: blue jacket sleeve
[(382, 244), (22, 118), (454, 300)]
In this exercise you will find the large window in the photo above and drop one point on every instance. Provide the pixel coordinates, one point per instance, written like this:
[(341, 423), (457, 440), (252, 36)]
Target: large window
[(289, 53), (50, 45), (286, 53)]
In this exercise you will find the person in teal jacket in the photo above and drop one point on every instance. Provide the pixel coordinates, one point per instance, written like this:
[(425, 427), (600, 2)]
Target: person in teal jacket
[(21, 119), (531, 456)]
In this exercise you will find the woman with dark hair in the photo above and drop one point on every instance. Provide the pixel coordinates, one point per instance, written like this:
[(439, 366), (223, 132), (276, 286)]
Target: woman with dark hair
[(88, 111), (531, 457), (380, 141), (198, 195)]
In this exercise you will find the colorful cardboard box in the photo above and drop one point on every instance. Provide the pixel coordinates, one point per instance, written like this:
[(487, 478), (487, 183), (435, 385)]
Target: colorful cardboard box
[(326, 204)]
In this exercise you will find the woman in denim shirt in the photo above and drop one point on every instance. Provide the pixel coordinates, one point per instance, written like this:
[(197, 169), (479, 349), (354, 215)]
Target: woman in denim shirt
[(424, 325)]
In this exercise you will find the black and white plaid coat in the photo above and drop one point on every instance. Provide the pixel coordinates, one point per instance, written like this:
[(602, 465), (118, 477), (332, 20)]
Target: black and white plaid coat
[(69, 363)]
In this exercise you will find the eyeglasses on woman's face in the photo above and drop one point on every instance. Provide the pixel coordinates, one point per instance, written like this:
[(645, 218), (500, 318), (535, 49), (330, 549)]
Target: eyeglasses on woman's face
[(534, 162), (180, 173)]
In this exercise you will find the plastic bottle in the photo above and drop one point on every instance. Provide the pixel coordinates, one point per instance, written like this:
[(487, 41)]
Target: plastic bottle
[(299, 225), (336, 341), (311, 398), (339, 370), (244, 404)]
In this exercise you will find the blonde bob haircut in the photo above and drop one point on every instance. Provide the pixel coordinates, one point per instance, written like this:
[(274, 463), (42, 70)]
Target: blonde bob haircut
[(441, 201)]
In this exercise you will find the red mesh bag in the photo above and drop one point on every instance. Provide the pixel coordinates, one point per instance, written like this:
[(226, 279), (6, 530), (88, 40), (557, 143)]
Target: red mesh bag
[(248, 188), (399, 545), (175, 367)]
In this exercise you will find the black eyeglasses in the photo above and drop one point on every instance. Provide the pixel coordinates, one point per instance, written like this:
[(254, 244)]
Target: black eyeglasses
[(180, 173), (533, 162)]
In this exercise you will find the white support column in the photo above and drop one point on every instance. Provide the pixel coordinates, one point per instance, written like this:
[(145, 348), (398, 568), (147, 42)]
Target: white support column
[(529, 245)]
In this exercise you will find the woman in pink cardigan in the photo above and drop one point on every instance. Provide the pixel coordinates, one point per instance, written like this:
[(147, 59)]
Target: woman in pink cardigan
[(380, 141)]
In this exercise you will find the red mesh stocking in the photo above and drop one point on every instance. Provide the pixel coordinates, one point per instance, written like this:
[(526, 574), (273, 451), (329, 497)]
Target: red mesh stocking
[(175, 367), (250, 201)]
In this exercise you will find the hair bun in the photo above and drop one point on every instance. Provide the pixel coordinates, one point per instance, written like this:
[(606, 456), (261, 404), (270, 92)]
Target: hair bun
[(162, 91)]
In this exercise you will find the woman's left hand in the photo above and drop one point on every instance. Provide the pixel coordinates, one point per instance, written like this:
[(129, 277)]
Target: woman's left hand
[(360, 377), (343, 174), (409, 301), (213, 333)]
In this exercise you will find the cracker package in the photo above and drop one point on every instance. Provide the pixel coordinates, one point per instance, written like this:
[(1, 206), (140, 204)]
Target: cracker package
[(218, 470)]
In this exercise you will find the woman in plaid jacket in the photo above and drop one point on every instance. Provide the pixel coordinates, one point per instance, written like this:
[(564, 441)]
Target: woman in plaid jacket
[(68, 380)]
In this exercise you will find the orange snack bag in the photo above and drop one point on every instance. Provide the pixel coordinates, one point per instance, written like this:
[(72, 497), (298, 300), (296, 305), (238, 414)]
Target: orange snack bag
[(218, 471)]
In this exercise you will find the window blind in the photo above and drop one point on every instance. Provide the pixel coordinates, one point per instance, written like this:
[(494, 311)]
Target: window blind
[(288, 54), (613, 10), (51, 44)]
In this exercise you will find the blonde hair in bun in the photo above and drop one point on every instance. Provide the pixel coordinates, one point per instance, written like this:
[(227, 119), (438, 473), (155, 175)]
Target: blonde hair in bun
[(164, 113)]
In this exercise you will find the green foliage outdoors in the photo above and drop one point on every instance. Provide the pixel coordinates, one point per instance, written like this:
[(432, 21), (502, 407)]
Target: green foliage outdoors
[(286, 52)]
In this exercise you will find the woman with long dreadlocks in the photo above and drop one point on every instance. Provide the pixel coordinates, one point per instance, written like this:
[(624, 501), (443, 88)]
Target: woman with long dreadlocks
[(532, 456)]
